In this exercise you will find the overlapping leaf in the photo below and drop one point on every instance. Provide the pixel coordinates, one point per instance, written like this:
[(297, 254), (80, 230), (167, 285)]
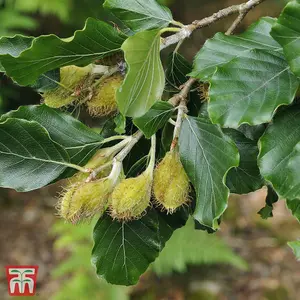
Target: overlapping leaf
[(14, 46), (286, 31), (267, 211), (250, 88), (96, 40), (246, 177), (155, 118), (207, 155), (29, 159), (222, 48), (277, 146), (140, 15), (124, 250), (145, 79), (79, 141), (177, 69)]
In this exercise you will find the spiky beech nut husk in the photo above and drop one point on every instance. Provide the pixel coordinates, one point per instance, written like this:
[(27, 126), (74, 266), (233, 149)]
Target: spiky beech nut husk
[(81, 202), (131, 197), (73, 80), (170, 184), (104, 102)]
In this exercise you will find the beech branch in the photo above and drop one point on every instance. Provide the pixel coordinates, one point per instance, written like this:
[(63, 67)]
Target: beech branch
[(186, 31), (180, 100)]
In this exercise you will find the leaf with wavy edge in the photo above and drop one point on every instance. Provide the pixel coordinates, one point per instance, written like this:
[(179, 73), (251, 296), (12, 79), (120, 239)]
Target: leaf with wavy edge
[(223, 48), (145, 79), (140, 15), (29, 159), (124, 250), (286, 31), (95, 41), (79, 141), (279, 153), (207, 155), (250, 88), (155, 118)]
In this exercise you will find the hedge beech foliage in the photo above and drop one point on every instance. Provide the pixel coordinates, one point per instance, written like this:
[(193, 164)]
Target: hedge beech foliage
[(228, 122)]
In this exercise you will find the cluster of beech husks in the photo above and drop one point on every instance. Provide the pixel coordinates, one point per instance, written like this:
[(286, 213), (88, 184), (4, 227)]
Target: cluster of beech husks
[(125, 199), (104, 187), (79, 86)]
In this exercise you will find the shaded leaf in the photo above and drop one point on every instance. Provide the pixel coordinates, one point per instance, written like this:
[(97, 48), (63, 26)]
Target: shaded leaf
[(267, 211), (145, 79), (222, 48), (29, 158), (123, 251), (14, 46), (286, 31), (260, 81), (47, 81), (246, 177), (79, 141), (207, 155), (277, 147), (177, 69), (140, 15), (155, 118), (95, 41)]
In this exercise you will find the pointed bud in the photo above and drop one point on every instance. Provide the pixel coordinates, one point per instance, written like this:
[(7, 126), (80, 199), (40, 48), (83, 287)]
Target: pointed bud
[(131, 197), (104, 101), (82, 202), (73, 80), (170, 184)]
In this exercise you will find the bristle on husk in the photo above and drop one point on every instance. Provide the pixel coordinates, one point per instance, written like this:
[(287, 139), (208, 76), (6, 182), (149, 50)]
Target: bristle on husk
[(170, 184), (131, 197)]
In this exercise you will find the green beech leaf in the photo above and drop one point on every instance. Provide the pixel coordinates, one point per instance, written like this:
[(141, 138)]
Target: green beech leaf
[(47, 81), (246, 177), (123, 250), (14, 46), (145, 80), (79, 141), (286, 31), (95, 41), (140, 15), (223, 48), (207, 155), (250, 88), (294, 206), (296, 248), (177, 69), (29, 159), (267, 211), (155, 118), (252, 132), (278, 146)]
